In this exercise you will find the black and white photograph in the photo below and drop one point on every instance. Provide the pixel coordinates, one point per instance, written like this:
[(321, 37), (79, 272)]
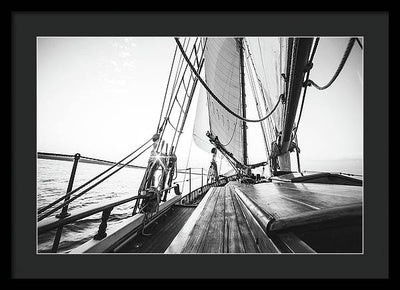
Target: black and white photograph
[(200, 145)]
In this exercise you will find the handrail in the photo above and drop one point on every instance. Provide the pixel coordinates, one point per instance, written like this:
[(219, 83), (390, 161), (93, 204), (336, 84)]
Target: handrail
[(52, 223), (122, 233), (195, 194), (46, 214), (91, 160), (96, 177)]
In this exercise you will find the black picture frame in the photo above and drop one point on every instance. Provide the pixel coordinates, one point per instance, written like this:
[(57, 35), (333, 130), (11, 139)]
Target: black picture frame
[(372, 26)]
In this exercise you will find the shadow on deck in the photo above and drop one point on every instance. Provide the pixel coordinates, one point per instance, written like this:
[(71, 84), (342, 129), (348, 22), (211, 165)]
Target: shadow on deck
[(162, 231)]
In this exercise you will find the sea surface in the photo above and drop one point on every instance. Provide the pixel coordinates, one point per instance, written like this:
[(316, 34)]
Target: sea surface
[(52, 182)]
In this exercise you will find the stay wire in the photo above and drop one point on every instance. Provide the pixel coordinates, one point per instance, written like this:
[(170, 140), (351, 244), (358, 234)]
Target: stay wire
[(175, 91), (166, 90), (91, 180), (46, 214), (216, 98), (310, 64)]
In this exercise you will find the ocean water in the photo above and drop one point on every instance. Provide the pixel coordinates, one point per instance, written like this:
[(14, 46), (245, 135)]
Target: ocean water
[(52, 182)]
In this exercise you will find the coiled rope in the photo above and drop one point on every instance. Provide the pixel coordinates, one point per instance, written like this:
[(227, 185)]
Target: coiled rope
[(339, 69), (215, 97)]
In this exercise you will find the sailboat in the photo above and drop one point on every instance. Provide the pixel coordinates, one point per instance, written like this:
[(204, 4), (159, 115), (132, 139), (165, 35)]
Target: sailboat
[(243, 210)]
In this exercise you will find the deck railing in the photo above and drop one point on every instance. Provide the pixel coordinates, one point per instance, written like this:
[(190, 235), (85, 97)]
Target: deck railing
[(62, 203), (59, 221), (196, 194), (64, 218)]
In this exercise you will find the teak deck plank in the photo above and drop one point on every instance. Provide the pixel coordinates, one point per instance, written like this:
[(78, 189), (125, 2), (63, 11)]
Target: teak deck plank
[(221, 227), (233, 240), (226, 224), (214, 237), (196, 237), (246, 235), (162, 232)]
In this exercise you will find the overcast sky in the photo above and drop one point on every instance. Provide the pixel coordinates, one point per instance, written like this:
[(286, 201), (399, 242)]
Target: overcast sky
[(102, 97)]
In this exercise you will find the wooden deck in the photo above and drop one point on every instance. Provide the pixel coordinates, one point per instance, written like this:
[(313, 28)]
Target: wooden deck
[(237, 218), (221, 224), (163, 231)]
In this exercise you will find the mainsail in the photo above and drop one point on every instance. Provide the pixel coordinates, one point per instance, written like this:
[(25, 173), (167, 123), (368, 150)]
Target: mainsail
[(222, 75), (201, 123), (269, 61), (266, 63)]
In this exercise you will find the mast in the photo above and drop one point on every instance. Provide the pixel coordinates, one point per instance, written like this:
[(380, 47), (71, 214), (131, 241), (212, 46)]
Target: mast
[(243, 95), (301, 52)]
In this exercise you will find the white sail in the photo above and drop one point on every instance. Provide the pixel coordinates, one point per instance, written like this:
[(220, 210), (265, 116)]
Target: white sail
[(222, 74), (269, 55), (201, 123), (222, 65)]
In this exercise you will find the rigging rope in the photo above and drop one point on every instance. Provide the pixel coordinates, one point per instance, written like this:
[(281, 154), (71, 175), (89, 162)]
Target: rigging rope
[(173, 127), (266, 132), (170, 102), (270, 122), (193, 87), (91, 180), (177, 86), (174, 95), (310, 82), (166, 90), (339, 69), (187, 162), (215, 97), (92, 186), (359, 43), (309, 66), (255, 94)]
